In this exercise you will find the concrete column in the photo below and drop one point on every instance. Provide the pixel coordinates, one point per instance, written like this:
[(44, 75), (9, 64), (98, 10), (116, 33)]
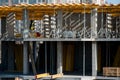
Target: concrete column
[(25, 44), (94, 23), (94, 58), (59, 57), (59, 44), (94, 35), (25, 23), (25, 58)]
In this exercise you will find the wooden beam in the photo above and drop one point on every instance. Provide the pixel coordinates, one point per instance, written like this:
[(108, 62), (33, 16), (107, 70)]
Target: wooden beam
[(57, 76), (42, 75)]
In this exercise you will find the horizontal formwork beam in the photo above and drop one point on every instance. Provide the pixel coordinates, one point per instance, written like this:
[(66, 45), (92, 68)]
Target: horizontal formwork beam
[(33, 9)]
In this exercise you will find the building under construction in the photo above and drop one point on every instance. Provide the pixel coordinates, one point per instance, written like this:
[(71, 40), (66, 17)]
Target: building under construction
[(59, 39)]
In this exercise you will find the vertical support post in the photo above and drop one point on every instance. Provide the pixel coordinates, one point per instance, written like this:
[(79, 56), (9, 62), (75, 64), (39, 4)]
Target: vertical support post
[(94, 43), (25, 44), (59, 57), (94, 58), (59, 44), (25, 23), (19, 26), (94, 23), (25, 58)]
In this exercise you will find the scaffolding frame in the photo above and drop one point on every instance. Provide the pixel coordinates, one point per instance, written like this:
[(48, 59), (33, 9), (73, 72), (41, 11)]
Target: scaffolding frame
[(87, 32)]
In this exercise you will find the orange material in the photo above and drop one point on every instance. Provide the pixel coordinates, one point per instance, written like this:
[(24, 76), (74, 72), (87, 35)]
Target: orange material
[(57, 76), (42, 75)]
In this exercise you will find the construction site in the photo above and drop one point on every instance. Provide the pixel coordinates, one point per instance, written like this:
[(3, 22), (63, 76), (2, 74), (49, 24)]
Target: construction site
[(59, 40)]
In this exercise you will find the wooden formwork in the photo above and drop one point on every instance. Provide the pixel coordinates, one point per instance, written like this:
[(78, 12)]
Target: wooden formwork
[(111, 71)]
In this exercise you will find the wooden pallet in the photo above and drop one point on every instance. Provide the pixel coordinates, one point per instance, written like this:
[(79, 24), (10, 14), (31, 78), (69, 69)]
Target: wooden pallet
[(111, 71)]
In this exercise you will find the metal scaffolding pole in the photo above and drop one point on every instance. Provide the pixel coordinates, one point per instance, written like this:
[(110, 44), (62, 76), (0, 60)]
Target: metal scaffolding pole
[(59, 44), (25, 44)]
